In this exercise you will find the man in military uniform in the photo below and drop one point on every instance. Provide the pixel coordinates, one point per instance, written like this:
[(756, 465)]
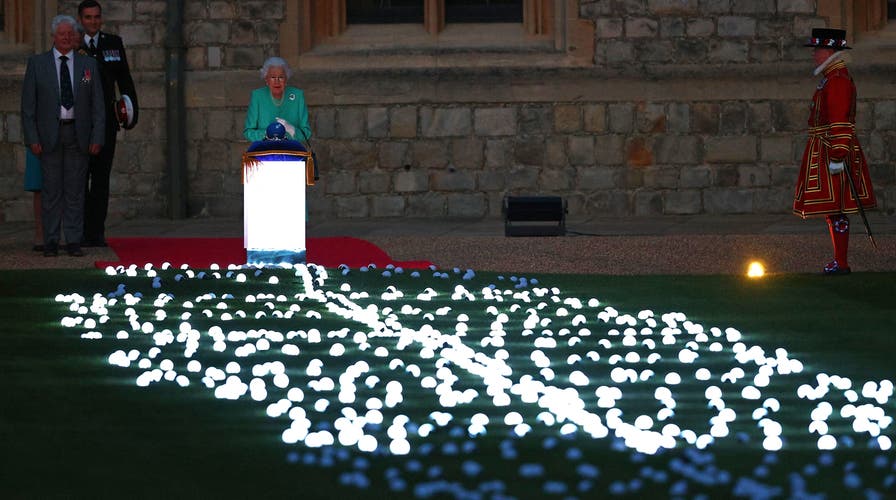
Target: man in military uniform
[(108, 51), (833, 151)]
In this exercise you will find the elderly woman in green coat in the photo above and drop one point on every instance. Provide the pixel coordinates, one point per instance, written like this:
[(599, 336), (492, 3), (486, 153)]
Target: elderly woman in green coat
[(279, 102)]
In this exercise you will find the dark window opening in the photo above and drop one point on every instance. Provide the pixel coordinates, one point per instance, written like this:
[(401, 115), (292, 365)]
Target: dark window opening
[(487, 11), (383, 11)]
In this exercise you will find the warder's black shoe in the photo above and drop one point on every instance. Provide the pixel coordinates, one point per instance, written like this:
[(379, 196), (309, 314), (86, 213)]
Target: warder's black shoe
[(833, 268)]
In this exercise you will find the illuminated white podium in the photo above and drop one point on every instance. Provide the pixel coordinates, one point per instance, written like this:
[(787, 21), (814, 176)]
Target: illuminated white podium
[(274, 210)]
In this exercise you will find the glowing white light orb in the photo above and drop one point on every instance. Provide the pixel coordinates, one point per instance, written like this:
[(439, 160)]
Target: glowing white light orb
[(295, 394), (827, 442), (703, 441), (281, 380), (618, 375), (367, 444), (719, 430), (119, 358), (732, 335), (750, 392), (818, 427), (400, 447), (662, 393), (772, 443), (578, 378), (687, 356), (643, 422)]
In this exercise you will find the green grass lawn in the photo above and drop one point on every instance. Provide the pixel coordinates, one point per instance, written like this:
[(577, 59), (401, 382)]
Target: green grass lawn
[(72, 424)]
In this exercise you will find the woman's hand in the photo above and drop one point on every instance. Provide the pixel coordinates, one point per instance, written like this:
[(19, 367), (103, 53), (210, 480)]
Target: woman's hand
[(290, 128)]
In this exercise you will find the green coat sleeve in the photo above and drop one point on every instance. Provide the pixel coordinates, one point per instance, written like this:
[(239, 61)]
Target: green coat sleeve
[(295, 112), (303, 128), (253, 130)]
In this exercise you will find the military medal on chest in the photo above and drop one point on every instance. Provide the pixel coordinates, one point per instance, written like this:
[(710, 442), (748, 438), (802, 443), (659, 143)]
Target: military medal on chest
[(111, 55)]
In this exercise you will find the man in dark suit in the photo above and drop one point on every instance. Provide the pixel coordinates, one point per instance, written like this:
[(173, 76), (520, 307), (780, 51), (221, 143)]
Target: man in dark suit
[(108, 51), (63, 122)]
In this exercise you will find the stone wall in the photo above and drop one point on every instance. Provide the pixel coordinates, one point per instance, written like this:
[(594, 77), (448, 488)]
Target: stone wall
[(648, 32), (691, 106), (219, 34), (677, 146)]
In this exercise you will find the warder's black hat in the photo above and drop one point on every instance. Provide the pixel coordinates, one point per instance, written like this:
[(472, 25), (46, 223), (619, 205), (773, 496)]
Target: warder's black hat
[(828, 38)]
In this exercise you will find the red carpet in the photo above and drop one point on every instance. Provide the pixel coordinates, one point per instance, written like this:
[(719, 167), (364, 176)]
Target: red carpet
[(202, 252)]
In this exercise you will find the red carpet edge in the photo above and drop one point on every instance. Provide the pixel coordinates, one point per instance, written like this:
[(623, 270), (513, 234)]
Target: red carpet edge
[(203, 252)]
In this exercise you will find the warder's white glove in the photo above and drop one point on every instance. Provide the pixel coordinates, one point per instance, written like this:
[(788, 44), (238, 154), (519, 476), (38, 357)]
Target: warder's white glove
[(290, 129), (835, 167)]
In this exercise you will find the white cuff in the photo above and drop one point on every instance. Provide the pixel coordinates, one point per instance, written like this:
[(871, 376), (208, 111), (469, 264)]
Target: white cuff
[(835, 167)]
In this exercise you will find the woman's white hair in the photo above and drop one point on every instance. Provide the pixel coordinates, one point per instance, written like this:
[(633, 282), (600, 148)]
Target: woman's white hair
[(63, 19), (275, 62)]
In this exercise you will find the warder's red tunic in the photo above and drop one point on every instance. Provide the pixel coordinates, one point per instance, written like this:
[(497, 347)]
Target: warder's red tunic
[(832, 137)]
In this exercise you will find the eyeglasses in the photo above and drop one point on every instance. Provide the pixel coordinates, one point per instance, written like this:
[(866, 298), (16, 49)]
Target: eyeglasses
[(276, 78)]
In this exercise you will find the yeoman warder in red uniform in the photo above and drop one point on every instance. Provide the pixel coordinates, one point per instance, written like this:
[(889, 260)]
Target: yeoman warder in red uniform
[(833, 150)]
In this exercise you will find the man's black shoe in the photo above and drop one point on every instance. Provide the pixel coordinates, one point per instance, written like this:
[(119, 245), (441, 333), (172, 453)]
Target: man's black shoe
[(74, 250), (94, 243), (51, 250)]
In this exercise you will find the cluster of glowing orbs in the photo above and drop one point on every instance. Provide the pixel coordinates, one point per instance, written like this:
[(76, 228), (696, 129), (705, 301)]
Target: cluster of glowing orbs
[(552, 397)]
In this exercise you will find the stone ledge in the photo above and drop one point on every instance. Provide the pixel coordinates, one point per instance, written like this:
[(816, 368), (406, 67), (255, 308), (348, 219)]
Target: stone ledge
[(504, 85)]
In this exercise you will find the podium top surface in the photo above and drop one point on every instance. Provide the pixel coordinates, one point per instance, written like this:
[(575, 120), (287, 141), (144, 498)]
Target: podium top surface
[(275, 146)]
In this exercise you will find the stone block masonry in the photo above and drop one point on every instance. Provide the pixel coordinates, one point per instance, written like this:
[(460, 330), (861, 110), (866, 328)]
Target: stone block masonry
[(650, 158), (659, 157)]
